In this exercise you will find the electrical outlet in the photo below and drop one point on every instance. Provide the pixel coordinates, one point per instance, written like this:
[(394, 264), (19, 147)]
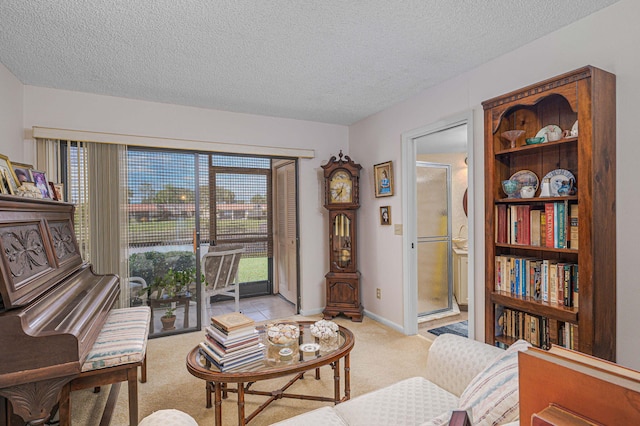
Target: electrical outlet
[(378, 294)]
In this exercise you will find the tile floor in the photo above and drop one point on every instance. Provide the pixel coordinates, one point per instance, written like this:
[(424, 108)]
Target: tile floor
[(265, 308), (259, 308)]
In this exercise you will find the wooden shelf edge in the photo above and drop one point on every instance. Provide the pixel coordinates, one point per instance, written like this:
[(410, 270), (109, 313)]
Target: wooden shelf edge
[(558, 312), (538, 146), (538, 248), (535, 200)]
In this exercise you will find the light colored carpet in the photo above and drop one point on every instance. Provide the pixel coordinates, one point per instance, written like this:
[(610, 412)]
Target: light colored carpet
[(381, 356)]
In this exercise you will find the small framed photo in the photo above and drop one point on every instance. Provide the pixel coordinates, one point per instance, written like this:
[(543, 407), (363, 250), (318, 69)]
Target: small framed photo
[(22, 173), (58, 191), (9, 180), (385, 215), (383, 177), (39, 178)]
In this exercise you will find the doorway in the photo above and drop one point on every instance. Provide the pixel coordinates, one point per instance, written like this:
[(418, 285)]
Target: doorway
[(285, 231), (436, 144), (433, 200)]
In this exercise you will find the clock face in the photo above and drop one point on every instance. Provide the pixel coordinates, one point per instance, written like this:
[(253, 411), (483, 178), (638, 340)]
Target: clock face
[(340, 187)]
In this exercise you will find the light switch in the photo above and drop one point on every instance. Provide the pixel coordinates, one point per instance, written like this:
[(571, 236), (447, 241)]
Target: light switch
[(398, 229)]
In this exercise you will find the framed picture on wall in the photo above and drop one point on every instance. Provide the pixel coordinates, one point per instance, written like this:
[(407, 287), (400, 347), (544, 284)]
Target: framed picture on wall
[(385, 215), (383, 177)]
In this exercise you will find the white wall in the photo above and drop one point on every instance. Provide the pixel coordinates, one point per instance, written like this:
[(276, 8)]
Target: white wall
[(81, 111), (11, 106), (607, 39)]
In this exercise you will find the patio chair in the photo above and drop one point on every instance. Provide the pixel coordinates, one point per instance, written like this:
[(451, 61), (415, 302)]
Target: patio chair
[(136, 296), (220, 269)]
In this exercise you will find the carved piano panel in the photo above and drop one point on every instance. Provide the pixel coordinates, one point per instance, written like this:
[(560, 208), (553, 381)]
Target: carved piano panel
[(38, 249)]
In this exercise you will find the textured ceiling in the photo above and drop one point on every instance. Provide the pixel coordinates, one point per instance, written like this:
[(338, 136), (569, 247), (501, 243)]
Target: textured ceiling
[(331, 61)]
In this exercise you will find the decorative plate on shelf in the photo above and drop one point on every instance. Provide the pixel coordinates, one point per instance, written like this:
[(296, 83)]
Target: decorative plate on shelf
[(542, 133), (558, 178), (524, 178)]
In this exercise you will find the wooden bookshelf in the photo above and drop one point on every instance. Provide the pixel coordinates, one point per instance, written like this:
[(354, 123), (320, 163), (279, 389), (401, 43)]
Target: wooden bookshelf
[(586, 95)]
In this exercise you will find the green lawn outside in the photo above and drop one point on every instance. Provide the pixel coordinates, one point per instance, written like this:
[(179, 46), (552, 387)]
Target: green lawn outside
[(182, 229), (253, 269)]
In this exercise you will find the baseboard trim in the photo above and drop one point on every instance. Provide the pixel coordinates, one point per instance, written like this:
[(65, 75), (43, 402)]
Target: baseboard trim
[(381, 320), (384, 321)]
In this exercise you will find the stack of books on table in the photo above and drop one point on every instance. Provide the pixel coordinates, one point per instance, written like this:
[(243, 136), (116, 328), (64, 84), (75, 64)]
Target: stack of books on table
[(232, 342)]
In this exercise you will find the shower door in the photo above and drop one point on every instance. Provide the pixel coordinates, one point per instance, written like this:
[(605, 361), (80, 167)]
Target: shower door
[(435, 285)]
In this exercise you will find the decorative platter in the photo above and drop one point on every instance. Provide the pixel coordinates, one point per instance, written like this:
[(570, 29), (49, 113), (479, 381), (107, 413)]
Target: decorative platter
[(557, 178), (542, 133), (524, 178)]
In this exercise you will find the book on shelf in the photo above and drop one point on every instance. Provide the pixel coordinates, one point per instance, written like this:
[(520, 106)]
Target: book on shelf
[(543, 228), (534, 221), (538, 330), (553, 282), (501, 225), (574, 285), (601, 391), (561, 219), (561, 283), (544, 278), (232, 321), (573, 226), (550, 224), (499, 320)]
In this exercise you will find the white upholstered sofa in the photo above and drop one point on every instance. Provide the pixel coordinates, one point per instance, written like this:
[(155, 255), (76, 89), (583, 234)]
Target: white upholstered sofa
[(461, 374)]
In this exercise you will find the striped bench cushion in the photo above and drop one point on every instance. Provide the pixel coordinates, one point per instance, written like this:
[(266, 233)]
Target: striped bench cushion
[(122, 340)]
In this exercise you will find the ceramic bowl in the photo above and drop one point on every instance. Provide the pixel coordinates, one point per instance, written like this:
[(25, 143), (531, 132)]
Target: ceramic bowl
[(509, 187), (533, 141)]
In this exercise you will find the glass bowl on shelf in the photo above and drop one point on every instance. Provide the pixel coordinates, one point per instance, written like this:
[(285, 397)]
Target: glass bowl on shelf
[(512, 136)]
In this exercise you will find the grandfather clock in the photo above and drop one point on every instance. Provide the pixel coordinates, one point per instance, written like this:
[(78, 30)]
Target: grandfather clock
[(342, 200)]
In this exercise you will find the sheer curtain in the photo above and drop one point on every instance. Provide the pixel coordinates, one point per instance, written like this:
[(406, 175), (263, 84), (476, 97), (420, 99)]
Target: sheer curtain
[(96, 178)]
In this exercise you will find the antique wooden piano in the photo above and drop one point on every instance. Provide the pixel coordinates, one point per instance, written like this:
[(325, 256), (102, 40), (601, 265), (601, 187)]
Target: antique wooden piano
[(52, 306)]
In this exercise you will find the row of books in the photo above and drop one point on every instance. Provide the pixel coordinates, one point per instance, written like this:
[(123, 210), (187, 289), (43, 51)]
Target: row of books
[(544, 280), (540, 331), (553, 226), (232, 342)]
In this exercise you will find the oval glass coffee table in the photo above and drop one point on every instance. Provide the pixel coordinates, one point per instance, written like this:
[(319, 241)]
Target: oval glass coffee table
[(308, 354)]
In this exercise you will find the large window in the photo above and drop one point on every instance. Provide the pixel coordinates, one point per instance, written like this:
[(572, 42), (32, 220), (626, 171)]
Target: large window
[(177, 204)]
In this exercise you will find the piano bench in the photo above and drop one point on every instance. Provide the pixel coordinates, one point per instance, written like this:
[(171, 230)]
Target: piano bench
[(115, 357)]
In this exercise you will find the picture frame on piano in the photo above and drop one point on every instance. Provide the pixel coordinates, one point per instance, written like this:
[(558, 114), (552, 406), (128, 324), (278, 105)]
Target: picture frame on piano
[(9, 179), (41, 182)]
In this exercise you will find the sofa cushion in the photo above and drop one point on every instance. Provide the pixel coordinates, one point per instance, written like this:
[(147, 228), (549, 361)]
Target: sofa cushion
[(325, 416), (454, 361), (408, 402), (492, 395)]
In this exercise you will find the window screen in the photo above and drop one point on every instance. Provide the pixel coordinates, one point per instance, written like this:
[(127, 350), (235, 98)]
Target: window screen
[(240, 190), (161, 198)]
